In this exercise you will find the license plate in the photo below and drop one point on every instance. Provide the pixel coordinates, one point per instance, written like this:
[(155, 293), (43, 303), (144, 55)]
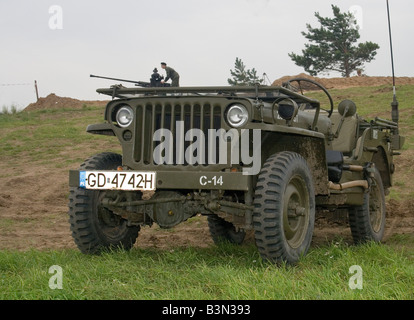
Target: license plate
[(117, 180)]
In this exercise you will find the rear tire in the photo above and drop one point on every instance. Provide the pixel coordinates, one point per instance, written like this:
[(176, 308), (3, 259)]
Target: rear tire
[(367, 222), (222, 231), (94, 227), (284, 213)]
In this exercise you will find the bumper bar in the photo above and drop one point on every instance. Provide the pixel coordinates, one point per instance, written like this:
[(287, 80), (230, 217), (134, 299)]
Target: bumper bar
[(192, 180)]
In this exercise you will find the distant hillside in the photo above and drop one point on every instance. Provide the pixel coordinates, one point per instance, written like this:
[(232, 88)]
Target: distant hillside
[(341, 83), (53, 101)]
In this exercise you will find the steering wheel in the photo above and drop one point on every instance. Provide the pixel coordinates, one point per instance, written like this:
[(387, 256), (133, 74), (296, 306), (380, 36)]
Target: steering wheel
[(299, 88)]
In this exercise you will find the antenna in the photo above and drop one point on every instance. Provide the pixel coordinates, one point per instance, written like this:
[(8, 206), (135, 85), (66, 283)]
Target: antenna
[(265, 77), (394, 103)]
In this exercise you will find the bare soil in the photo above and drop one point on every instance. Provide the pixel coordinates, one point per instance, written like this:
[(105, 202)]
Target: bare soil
[(33, 197), (52, 101)]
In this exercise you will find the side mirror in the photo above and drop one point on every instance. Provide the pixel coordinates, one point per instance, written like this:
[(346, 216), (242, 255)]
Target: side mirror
[(347, 108)]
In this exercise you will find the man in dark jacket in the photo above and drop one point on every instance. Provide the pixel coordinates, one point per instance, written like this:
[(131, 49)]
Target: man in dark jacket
[(156, 78), (171, 74)]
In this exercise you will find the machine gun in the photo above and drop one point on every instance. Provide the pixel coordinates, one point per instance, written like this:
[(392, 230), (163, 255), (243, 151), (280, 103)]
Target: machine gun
[(137, 83)]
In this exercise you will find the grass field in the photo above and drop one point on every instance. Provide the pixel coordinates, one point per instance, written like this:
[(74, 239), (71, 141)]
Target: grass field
[(215, 272)]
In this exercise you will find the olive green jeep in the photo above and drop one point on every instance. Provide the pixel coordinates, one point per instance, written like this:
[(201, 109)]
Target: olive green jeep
[(261, 158)]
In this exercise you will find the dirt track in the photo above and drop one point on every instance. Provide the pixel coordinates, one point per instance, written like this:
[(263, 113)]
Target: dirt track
[(33, 205)]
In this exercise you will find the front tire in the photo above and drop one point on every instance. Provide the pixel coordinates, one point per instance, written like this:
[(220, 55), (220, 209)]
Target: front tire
[(284, 213), (94, 227)]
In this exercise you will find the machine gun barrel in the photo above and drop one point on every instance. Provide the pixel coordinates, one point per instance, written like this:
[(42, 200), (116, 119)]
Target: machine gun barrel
[(137, 83), (116, 79)]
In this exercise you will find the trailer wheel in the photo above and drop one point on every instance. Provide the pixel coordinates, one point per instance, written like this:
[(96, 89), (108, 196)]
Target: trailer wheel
[(284, 213)]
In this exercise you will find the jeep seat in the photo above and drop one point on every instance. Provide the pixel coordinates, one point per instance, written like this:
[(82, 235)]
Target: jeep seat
[(347, 139)]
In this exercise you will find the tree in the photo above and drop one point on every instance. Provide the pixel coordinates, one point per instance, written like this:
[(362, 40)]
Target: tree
[(333, 46), (242, 76)]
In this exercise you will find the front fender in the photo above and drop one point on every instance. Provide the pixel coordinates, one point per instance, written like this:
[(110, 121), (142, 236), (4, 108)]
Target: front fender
[(101, 128)]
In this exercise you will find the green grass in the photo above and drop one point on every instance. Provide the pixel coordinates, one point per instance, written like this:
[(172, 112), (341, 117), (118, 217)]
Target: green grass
[(223, 272), (42, 134), (370, 100)]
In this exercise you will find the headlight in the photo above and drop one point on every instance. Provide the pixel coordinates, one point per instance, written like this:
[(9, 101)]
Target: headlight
[(237, 115), (124, 116)]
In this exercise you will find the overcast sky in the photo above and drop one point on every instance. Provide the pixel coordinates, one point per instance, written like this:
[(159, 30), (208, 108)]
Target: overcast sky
[(60, 43)]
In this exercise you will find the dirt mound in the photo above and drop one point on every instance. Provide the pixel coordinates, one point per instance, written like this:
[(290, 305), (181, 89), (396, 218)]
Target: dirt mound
[(340, 83), (52, 101)]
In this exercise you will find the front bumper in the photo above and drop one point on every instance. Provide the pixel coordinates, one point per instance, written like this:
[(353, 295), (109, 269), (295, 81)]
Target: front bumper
[(199, 180)]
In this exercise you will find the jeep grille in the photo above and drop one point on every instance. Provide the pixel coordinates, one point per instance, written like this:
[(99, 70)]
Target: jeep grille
[(153, 116)]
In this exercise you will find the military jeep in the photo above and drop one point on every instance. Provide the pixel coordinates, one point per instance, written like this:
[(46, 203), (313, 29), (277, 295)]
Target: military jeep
[(261, 158)]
